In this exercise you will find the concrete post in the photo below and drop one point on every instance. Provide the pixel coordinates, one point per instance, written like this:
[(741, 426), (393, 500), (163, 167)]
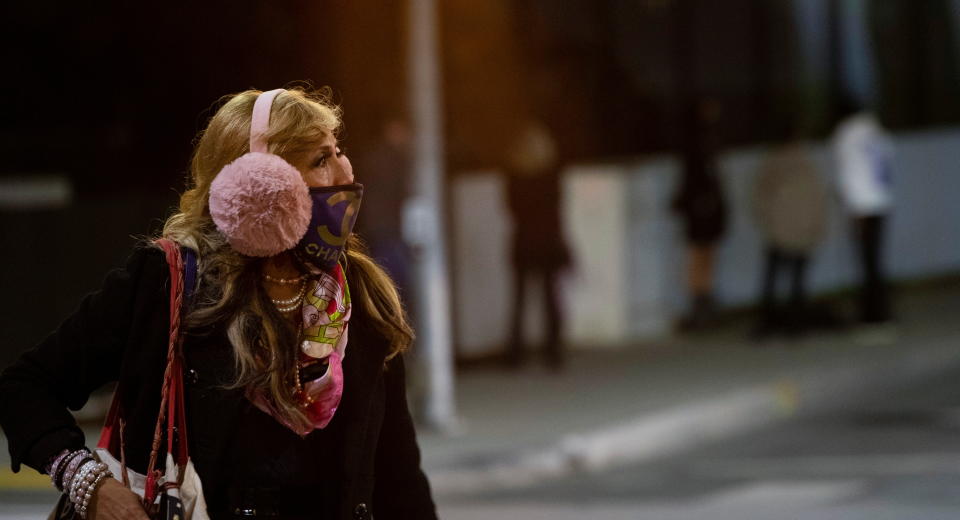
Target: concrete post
[(425, 226)]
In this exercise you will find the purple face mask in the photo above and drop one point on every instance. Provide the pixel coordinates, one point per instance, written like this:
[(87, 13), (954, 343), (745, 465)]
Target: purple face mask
[(334, 214)]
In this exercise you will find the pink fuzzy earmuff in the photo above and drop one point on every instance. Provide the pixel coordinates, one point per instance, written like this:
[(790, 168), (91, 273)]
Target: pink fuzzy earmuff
[(260, 202)]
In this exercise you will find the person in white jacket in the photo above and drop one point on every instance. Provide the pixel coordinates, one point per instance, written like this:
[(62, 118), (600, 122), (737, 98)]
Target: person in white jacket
[(863, 152)]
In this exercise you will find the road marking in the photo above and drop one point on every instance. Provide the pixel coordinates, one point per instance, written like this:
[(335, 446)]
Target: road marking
[(778, 499), (26, 479), (26, 512), (859, 465)]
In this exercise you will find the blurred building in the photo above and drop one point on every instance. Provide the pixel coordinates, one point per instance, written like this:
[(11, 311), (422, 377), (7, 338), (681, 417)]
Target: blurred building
[(614, 78), (108, 97), (615, 75)]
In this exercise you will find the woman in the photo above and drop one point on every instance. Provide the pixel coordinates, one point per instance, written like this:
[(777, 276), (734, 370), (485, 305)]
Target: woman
[(700, 203), (540, 251), (289, 416), (790, 207)]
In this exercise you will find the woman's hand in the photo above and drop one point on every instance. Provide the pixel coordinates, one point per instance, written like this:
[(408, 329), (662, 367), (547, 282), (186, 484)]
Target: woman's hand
[(112, 501)]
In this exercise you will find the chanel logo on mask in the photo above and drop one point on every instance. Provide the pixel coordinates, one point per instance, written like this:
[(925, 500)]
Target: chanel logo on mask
[(334, 208)]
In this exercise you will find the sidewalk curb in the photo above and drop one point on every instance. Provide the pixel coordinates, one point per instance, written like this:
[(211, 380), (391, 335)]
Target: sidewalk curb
[(664, 432)]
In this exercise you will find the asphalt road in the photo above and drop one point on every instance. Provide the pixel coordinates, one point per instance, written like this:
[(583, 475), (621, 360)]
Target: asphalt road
[(896, 456)]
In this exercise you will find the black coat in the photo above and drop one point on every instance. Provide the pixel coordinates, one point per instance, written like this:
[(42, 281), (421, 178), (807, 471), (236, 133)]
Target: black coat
[(120, 333), (534, 203)]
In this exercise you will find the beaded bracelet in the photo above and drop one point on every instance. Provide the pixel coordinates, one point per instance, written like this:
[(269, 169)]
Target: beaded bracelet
[(90, 490), (58, 466), (83, 482), (72, 470), (79, 479), (55, 462), (90, 487), (57, 477), (68, 467)]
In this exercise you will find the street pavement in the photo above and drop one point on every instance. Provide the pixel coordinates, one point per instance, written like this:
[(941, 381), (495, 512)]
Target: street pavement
[(895, 455), (617, 407)]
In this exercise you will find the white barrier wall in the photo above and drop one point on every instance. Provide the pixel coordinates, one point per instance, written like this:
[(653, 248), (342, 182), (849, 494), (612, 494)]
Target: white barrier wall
[(481, 265), (629, 279), (924, 229), (596, 220)]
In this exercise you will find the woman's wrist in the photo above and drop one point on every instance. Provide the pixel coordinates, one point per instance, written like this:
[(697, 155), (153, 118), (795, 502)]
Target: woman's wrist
[(85, 483), (90, 492)]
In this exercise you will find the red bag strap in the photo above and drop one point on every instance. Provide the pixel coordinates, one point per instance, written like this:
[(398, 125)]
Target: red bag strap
[(176, 415), (171, 393)]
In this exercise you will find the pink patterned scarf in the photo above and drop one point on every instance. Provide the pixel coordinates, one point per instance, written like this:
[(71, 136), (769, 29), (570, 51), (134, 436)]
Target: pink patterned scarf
[(326, 316)]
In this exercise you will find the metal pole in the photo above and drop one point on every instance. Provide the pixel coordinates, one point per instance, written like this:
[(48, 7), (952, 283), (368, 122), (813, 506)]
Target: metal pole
[(425, 225)]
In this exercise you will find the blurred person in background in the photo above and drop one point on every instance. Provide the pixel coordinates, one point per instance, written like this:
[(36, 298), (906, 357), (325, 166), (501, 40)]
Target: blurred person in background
[(790, 207), (539, 250), (863, 155), (289, 417), (701, 204), (386, 168)]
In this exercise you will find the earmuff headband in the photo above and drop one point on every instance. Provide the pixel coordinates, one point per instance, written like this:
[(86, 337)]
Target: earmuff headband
[(259, 201), (260, 120)]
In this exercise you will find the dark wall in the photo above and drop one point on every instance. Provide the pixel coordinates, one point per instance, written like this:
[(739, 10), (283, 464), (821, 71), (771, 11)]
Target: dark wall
[(918, 67), (615, 77), (101, 89)]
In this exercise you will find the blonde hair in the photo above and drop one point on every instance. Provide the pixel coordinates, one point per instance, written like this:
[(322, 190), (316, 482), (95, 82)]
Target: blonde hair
[(264, 343)]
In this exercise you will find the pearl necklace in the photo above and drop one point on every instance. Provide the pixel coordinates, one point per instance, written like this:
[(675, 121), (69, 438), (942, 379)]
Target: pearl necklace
[(291, 304), (285, 281)]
